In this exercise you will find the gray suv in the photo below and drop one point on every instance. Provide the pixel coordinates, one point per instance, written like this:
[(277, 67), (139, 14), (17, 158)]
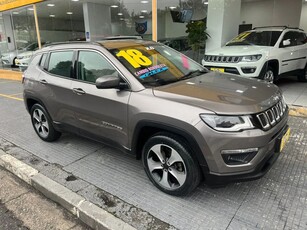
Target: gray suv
[(186, 123)]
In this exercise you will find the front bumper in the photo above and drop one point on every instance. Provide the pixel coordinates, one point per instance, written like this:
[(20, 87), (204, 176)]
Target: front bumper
[(213, 143), (259, 171), (236, 68)]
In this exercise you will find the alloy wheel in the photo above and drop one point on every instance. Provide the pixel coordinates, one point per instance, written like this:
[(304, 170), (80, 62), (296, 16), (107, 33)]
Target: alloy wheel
[(269, 76), (40, 123), (166, 166)]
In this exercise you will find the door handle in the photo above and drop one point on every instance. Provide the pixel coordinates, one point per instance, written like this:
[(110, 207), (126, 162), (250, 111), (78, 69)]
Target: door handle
[(44, 82), (78, 91)]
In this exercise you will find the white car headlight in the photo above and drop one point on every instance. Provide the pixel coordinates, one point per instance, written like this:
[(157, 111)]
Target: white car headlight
[(251, 58), (227, 123)]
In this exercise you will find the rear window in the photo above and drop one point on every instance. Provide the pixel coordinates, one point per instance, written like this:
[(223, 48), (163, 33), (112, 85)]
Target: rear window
[(60, 63)]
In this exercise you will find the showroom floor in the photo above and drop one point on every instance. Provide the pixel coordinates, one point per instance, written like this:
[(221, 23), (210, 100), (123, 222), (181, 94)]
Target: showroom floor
[(295, 92)]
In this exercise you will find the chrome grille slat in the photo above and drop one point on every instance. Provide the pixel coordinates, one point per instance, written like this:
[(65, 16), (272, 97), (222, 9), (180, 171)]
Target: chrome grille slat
[(222, 59), (272, 116)]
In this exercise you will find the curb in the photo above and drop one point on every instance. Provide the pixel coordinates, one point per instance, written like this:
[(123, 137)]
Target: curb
[(10, 75), (298, 111), (86, 211)]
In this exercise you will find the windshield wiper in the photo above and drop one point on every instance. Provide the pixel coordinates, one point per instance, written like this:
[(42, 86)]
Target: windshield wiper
[(192, 74)]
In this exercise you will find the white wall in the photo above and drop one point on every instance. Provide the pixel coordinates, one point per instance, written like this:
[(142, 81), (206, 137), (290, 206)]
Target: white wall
[(271, 12), (303, 23)]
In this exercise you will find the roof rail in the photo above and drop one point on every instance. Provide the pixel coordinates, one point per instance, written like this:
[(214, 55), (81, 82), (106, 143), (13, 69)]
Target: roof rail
[(283, 27), (67, 42), (121, 37)]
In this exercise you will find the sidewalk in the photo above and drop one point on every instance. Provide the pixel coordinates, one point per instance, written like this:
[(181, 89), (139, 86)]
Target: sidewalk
[(21, 207)]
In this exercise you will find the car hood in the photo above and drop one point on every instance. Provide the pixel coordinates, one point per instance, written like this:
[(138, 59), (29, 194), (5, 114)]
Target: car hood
[(239, 50), (13, 53), (26, 53), (222, 93)]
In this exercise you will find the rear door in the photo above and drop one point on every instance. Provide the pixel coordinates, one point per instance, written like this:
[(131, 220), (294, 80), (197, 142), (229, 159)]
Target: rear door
[(302, 47), (100, 113), (55, 86)]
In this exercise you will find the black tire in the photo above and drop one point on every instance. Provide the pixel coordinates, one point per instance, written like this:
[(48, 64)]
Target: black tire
[(14, 63), (170, 145), (42, 124), (303, 76), (268, 74)]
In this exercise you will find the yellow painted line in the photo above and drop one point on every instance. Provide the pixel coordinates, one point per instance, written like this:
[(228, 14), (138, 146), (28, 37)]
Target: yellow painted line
[(10, 75), (298, 111), (11, 97), (15, 94)]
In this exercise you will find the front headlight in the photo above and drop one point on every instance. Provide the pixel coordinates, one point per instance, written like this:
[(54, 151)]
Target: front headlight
[(251, 58), (227, 123)]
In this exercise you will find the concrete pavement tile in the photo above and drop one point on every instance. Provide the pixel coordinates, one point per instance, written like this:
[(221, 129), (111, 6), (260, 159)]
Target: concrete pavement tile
[(10, 188), (38, 213)]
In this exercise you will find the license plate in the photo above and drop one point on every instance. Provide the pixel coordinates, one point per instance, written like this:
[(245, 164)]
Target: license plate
[(284, 139), (221, 70)]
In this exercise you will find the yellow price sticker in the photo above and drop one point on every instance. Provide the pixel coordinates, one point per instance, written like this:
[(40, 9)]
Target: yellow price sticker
[(135, 58)]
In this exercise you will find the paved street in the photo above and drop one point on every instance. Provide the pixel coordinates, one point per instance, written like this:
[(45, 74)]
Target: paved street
[(21, 207), (117, 182)]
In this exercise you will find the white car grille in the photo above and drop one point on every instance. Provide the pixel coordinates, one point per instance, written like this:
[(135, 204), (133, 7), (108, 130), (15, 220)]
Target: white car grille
[(222, 59)]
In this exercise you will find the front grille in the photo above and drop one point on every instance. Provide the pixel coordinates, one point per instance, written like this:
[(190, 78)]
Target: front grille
[(222, 59), (272, 116)]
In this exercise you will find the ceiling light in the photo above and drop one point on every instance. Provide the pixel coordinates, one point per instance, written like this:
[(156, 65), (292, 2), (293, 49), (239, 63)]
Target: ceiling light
[(120, 14), (51, 15), (15, 12), (70, 13), (206, 3), (50, 4), (172, 7), (31, 9), (144, 11), (142, 16), (75, 0), (144, 1), (114, 6)]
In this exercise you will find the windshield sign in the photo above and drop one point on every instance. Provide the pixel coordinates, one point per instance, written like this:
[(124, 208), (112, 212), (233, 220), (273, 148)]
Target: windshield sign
[(156, 64)]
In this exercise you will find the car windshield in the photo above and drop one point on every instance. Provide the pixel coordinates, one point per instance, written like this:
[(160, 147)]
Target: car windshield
[(258, 38), (154, 64)]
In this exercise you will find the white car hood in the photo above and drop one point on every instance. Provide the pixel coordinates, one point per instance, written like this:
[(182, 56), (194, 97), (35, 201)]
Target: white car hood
[(239, 50), (27, 53)]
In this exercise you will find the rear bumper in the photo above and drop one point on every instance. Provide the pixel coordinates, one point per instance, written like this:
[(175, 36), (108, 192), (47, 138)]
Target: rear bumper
[(259, 171)]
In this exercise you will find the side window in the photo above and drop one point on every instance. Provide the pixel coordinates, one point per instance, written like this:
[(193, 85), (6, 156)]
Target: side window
[(92, 65), (60, 63), (301, 38), (292, 37), (43, 61)]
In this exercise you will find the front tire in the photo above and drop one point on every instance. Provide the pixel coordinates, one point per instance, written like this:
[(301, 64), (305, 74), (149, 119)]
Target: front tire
[(169, 164), (303, 76), (42, 124), (269, 75)]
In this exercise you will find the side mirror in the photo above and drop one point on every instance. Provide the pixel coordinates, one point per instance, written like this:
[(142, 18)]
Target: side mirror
[(110, 82), (286, 43)]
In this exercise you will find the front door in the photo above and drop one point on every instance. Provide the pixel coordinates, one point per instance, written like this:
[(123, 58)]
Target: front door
[(99, 112)]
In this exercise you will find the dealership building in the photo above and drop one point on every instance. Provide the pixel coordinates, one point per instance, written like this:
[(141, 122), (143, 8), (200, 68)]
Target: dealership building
[(24, 22)]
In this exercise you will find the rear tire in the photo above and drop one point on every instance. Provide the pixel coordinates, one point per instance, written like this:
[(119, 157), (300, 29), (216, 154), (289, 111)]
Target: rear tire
[(169, 164), (303, 76), (42, 124)]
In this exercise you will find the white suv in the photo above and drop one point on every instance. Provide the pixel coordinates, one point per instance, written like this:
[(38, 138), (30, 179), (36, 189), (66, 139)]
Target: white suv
[(264, 52)]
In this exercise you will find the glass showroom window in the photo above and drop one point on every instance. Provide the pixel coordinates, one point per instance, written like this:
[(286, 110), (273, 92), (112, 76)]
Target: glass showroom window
[(174, 19), (61, 20), (132, 17)]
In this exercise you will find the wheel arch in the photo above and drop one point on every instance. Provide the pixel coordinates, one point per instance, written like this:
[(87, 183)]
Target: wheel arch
[(146, 129)]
